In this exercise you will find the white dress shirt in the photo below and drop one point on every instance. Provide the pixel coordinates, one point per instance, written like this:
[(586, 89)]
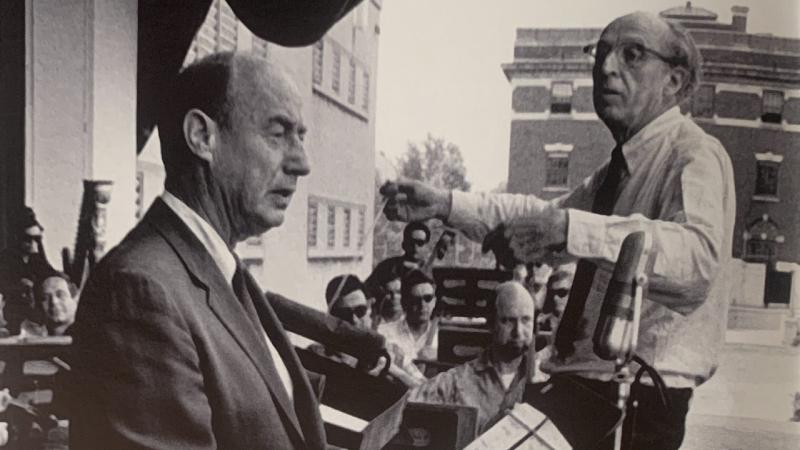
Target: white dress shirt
[(226, 262), (680, 190)]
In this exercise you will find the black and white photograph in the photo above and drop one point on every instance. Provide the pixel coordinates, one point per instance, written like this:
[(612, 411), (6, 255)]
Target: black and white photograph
[(399, 224)]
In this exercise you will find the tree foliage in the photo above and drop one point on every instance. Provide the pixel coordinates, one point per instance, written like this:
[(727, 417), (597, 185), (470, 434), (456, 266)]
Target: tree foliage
[(437, 162)]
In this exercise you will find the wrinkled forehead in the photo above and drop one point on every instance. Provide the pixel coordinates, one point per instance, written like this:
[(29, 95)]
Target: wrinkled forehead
[(644, 28)]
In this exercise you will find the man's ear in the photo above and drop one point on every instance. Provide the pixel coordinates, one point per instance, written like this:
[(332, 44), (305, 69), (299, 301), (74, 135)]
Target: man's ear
[(678, 77), (201, 134)]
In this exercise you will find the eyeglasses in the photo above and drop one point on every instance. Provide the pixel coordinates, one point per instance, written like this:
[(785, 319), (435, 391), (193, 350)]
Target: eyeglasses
[(418, 242), (632, 54), (346, 313), (31, 238), (427, 298)]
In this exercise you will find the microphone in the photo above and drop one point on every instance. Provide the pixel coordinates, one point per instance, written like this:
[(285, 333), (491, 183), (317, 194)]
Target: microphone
[(366, 345), (611, 335)]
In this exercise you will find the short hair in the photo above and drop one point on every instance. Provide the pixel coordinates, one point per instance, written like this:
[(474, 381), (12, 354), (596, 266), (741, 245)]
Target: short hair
[(684, 53), (413, 277), (24, 219), (416, 226), (204, 85), (73, 288), (344, 284)]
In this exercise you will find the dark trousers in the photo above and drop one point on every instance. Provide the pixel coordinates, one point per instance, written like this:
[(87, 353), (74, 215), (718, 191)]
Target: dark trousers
[(585, 411)]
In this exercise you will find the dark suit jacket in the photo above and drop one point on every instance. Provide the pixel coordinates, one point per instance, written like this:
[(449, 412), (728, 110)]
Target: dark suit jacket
[(166, 357)]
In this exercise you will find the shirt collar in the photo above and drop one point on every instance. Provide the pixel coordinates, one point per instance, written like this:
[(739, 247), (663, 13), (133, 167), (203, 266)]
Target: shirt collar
[(205, 233), (636, 148)]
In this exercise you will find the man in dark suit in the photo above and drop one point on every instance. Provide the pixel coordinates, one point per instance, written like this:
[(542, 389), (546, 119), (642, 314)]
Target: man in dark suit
[(176, 347)]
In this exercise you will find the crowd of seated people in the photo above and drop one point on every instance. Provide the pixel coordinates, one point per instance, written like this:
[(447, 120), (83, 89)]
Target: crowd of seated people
[(399, 302)]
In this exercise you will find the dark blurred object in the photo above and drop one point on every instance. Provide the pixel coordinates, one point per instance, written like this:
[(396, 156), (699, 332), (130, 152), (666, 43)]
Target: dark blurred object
[(435, 427), (334, 333), (458, 344), (443, 244), (497, 242), (166, 30), (90, 241)]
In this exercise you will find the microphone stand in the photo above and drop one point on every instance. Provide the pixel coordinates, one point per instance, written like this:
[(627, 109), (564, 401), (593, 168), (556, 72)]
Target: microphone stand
[(622, 371)]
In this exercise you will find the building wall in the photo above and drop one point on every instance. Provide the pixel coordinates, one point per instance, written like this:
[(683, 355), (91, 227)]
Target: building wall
[(81, 113)]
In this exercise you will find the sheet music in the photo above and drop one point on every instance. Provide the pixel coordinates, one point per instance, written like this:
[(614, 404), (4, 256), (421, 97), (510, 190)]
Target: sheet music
[(523, 423)]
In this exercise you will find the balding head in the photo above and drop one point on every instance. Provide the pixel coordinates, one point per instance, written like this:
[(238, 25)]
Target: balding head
[(513, 321), (644, 65)]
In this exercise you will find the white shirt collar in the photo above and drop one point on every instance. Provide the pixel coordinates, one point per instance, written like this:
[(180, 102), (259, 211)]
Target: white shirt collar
[(204, 232)]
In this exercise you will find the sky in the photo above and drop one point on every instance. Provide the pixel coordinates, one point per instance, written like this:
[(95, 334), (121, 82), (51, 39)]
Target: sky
[(439, 66)]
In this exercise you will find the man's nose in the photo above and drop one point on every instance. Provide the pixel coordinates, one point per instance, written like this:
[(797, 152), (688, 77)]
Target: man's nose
[(297, 162), (610, 63)]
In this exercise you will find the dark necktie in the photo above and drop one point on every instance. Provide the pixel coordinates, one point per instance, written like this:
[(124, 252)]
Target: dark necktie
[(240, 289), (604, 199)]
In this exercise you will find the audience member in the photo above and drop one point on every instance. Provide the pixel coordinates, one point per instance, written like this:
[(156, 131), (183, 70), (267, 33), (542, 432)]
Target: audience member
[(415, 236), (385, 289), (416, 335), (57, 300), (347, 301), (22, 264), (494, 381)]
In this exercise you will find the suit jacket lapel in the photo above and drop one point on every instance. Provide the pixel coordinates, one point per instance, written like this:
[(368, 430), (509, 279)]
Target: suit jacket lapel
[(305, 401), (224, 304)]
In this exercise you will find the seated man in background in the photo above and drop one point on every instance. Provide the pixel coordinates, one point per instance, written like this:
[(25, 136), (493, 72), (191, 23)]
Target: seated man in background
[(384, 287), (56, 299), (346, 301), (494, 381), (416, 335), (415, 236)]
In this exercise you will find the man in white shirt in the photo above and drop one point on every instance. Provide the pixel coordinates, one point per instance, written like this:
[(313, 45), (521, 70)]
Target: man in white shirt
[(666, 177), (176, 346)]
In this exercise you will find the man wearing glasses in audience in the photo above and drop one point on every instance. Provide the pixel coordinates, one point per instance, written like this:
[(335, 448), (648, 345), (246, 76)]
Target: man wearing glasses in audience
[(347, 301), (415, 236), (666, 177), (416, 336)]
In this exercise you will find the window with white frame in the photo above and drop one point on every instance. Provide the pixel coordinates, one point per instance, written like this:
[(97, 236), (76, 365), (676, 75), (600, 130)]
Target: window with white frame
[(313, 224), (561, 97), (218, 32), (365, 99), (333, 222), (337, 69), (351, 83), (767, 169), (557, 165), (331, 239), (318, 53), (772, 107)]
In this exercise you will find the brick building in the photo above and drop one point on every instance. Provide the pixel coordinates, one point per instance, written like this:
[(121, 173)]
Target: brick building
[(749, 99)]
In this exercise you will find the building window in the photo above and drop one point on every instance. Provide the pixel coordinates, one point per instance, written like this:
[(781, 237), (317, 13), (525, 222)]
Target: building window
[(337, 69), (767, 179), (139, 194), (331, 226), (365, 100), (561, 98), (703, 102), (761, 239), (227, 31), (362, 224), (347, 227), (772, 107), (317, 56), (219, 32), (313, 225), (351, 86), (557, 170)]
